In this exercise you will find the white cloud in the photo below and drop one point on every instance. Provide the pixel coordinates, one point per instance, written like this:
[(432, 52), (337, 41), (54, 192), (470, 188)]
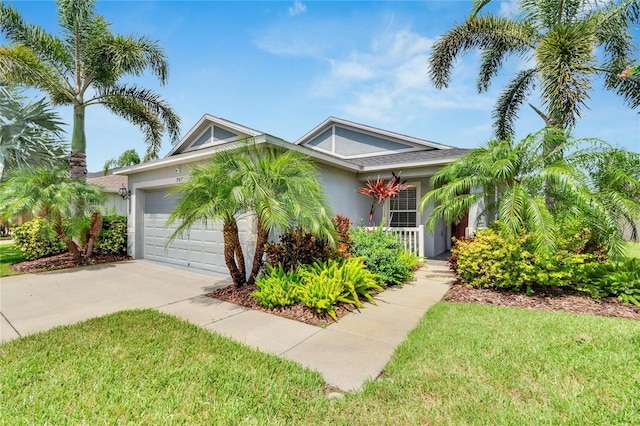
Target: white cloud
[(509, 8), (297, 8), (388, 83)]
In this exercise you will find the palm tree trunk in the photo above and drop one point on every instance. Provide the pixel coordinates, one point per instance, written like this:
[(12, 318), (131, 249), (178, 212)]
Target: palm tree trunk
[(262, 238), (231, 245), (94, 231), (78, 158), (71, 245)]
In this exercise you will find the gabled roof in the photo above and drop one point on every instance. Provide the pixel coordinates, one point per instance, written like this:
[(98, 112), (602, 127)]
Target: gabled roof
[(331, 121), (408, 159), (206, 121), (109, 183)]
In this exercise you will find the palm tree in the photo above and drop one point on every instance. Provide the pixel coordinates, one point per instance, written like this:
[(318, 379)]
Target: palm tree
[(510, 178), (63, 202), (558, 40), (277, 187), (30, 133), (85, 67)]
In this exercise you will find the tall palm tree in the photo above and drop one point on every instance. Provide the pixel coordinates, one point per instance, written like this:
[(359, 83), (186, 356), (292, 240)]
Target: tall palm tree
[(30, 133), (558, 40), (509, 177), (86, 67), (63, 202), (277, 187)]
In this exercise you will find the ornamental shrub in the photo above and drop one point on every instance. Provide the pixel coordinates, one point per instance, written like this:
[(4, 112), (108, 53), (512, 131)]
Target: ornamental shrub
[(494, 260), (615, 277), (297, 247), (36, 239), (113, 237), (276, 287), (383, 254)]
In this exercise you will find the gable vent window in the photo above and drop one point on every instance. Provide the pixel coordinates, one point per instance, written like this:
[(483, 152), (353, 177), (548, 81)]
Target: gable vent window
[(204, 138), (403, 208), (221, 134)]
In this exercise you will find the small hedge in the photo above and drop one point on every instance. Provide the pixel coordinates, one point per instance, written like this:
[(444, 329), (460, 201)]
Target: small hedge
[(383, 254), (493, 260), (113, 237), (36, 239)]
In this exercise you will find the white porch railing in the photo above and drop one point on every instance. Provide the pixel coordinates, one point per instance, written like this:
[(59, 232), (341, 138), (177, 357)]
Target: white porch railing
[(412, 238)]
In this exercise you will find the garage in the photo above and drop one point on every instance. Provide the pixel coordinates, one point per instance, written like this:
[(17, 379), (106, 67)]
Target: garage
[(201, 248)]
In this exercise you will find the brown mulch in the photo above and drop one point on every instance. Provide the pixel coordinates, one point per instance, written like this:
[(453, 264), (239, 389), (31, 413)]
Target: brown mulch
[(64, 261), (549, 299), (297, 312)]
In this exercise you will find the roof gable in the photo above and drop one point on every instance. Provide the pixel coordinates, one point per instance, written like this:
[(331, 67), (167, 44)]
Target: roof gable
[(211, 131), (346, 139)]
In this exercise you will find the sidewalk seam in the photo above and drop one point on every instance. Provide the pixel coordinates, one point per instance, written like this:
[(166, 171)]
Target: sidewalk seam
[(9, 322)]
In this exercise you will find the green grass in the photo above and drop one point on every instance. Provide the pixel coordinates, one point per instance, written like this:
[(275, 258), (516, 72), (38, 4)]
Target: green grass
[(464, 364), (8, 256), (633, 249)]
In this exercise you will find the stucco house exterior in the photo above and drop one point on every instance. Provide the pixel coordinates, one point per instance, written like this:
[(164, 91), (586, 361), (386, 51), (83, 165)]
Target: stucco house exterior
[(346, 153), (111, 184)]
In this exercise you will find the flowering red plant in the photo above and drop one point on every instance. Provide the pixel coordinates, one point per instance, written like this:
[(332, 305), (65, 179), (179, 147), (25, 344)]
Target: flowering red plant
[(381, 191)]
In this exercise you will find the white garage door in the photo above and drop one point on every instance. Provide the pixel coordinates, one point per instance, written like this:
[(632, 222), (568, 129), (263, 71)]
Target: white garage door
[(202, 247)]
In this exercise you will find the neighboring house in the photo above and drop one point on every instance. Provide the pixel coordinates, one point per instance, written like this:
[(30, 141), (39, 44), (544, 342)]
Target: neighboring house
[(346, 153), (111, 184)]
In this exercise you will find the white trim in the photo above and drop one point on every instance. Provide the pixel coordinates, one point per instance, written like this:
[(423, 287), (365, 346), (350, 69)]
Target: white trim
[(221, 122), (372, 154), (204, 154)]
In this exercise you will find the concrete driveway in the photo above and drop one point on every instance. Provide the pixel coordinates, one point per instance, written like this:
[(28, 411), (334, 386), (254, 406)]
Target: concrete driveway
[(37, 302), (346, 353)]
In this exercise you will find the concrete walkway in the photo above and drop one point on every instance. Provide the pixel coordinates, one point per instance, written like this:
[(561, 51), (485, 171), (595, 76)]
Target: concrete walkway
[(346, 353)]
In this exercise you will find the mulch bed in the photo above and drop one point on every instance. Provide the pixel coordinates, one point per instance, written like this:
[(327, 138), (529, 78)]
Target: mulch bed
[(549, 299), (297, 312), (64, 261)]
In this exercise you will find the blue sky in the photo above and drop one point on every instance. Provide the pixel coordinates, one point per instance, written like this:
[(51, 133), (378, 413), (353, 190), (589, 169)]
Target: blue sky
[(282, 67)]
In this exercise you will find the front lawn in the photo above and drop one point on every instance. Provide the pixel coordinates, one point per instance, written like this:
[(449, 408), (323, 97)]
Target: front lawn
[(8, 256), (464, 364)]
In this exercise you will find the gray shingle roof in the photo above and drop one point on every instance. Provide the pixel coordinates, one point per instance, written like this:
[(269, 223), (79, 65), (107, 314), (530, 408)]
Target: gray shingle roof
[(409, 157), (110, 183)]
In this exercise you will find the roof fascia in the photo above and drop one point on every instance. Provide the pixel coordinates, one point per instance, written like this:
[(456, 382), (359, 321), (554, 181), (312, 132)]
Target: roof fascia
[(206, 153), (197, 128), (350, 124)]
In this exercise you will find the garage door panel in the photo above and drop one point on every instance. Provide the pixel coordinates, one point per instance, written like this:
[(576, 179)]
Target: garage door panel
[(201, 247)]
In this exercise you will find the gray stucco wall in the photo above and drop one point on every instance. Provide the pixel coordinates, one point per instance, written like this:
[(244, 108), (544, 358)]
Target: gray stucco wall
[(340, 189)]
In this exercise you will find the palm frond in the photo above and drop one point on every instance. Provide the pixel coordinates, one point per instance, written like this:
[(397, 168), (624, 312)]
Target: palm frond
[(44, 45), (501, 35), (509, 102), (144, 108)]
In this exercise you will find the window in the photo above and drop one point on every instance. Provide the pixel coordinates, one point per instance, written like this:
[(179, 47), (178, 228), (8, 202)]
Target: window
[(403, 208)]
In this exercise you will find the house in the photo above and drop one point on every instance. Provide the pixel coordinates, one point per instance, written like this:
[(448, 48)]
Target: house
[(111, 184), (346, 153)]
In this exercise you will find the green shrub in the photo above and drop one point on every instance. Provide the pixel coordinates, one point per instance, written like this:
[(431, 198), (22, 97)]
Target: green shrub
[(382, 253), (276, 287), (356, 279), (113, 237), (616, 277), (492, 260), (321, 291), (36, 239), (320, 286)]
